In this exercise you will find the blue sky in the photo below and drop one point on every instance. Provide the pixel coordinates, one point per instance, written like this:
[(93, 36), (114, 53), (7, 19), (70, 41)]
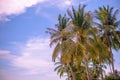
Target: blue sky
[(24, 46)]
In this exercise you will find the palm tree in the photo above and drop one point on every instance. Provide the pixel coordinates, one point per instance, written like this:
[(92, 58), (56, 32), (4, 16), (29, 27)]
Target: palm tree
[(58, 36), (79, 44), (64, 45), (81, 22), (108, 26), (99, 55)]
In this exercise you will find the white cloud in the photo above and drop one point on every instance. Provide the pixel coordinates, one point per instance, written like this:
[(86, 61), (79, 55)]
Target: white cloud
[(15, 7), (35, 59), (35, 56), (33, 63)]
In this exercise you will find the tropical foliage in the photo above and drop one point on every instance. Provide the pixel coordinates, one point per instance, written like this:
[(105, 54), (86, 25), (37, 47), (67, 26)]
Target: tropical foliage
[(84, 43)]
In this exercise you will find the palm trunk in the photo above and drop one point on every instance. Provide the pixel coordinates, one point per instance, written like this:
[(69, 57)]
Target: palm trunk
[(87, 69), (101, 75), (113, 69), (101, 71), (72, 73), (111, 54), (112, 58)]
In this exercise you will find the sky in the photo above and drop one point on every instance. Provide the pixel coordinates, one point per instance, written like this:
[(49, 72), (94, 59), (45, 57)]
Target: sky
[(24, 46)]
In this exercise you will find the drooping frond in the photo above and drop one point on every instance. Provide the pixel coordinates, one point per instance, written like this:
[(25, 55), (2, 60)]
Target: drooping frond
[(56, 52)]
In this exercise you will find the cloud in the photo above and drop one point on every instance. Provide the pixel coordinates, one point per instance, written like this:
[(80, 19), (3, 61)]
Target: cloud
[(35, 56), (35, 59), (84, 1), (5, 54), (15, 7), (62, 4), (3, 18), (33, 63), (7, 75)]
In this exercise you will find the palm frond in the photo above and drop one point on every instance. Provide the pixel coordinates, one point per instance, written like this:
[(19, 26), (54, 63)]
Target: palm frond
[(56, 52)]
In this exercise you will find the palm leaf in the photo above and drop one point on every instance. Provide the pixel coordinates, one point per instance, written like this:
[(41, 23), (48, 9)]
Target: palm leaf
[(56, 52)]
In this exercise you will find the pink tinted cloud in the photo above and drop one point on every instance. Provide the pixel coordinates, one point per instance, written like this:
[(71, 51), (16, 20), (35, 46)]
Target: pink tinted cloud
[(5, 54)]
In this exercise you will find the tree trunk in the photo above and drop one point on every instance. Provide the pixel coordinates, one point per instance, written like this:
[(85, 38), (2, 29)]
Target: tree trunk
[(72, 73), (101, 71), (111, 54), (87, 69), (112, 57), (113, 69)]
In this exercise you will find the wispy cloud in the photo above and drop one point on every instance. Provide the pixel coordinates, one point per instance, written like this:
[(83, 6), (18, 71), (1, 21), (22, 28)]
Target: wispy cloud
[(62, 4), (34, 60), (5, 54), (35, 56), (7, 75), (84, 1)]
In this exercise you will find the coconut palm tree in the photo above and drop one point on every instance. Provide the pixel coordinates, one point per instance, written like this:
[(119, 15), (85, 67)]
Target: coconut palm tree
[(78, 43), (99, 55), (64, 45), (108, 27), (81, 22), (58, 36)]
